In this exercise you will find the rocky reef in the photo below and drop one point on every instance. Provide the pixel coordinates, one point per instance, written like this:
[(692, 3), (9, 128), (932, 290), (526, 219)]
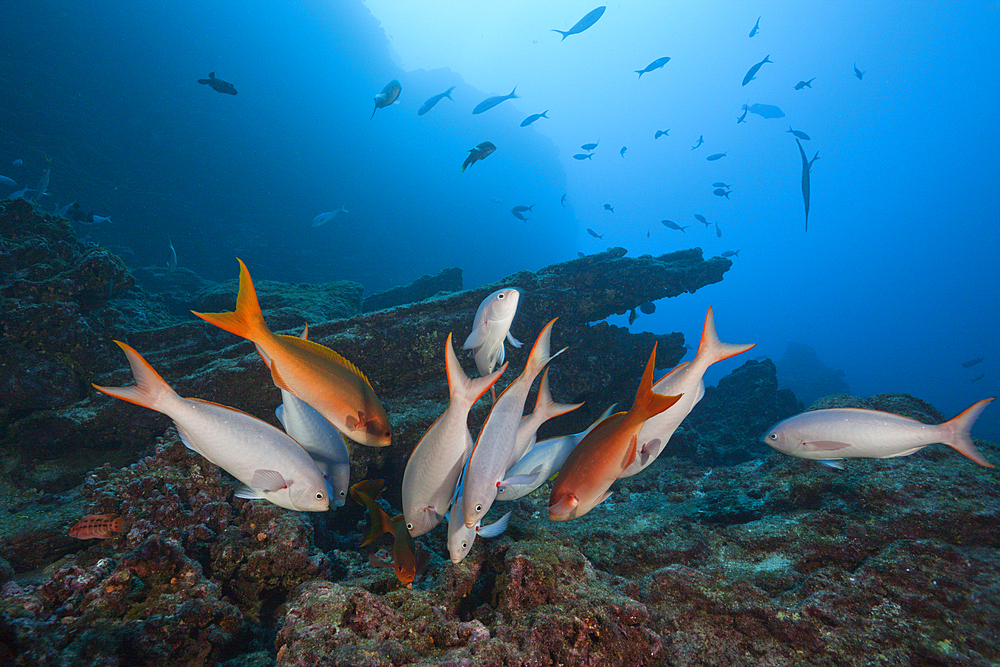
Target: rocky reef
[(722, 552), (801, 370)]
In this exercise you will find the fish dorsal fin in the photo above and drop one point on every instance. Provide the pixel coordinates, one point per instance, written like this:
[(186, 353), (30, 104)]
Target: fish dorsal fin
[(326, 353)]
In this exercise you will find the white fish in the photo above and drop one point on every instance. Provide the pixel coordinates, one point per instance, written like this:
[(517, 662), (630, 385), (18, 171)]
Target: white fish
[(61, 211), (839, 433), (545, 409), (549, 455), (434, 468), (7, 181), (431, 101), (462, 537), (685, 379), (20, 193), (326, 217), (101, 218), (489, 328), (324, 443), (488, 462), (269, 462)]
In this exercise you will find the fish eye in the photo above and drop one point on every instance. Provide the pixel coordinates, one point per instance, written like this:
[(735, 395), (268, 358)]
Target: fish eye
[(409, 526), (500, 296), (343, 494), (464, 543), (773, 436), (479, 508), (319, 495), (500, 490)]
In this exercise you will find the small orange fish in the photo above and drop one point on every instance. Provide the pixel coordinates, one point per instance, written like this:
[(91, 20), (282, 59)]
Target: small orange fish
[(404, 554), (602, 456), (99, 526)]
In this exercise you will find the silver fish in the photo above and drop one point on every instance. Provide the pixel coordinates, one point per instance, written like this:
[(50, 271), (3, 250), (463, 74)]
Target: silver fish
[(490, 327), (431, 101)]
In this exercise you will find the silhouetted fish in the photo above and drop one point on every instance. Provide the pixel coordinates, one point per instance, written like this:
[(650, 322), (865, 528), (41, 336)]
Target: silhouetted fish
[(756, 27), (589, 147), (594, 234), (767, 111), (804, 84), (972, 362), (673, 225), (517, 214), (563, 201), (719, 192), (584, 23), (583, 156), (431, 101), (716, 156), (388, 95), (656, 64), (797, 133), (743, 118), (806, 166), (731, 253), (720, 184), (661, 133), (701, 140), (753, 70), (622, 151), (858, 73), (718, 232), (978, 377), (609, 207), (218, 85), (478, 153), (533, 117), (522, 209), (649, 307), (491, 102), (700, 218)]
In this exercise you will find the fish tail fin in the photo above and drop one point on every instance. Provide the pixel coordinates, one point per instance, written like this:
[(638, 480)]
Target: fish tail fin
[(647, 402), (461, 385), (711, 349), (543, 116), (512, 95), (150, 389), (564, 34), (539, 355), (546, 405), (956, 432), (447, 93), (639, 72), (767, 59), (246, 321), (365, 493)]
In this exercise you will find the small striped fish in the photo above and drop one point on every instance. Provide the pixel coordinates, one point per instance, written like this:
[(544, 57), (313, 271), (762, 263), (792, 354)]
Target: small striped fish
[(98, 526)]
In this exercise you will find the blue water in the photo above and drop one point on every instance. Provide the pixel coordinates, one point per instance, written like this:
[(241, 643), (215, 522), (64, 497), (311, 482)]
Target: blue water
[(895, 281)]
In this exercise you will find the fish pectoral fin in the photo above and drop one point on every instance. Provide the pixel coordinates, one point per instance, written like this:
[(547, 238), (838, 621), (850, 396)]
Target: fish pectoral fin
[(834, 463), (248, 493), (495, 529), (526, 479), (477, 337), (565, 504), (357, 424), (513, 341), (825, 445), (267, 480), (607, 494)]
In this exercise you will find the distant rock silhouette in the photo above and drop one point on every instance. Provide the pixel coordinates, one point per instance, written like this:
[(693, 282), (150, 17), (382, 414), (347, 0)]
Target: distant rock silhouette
[(800, 370)]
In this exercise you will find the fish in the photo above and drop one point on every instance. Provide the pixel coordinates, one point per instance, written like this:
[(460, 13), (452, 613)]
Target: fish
[(99, 526), (701, 140), (767, 111), (806, 166), (490, 455), (972, 362), (218, 85), (580, 254), (172, 260), (838, 433), (491, 102), (673, 225), (324, 218), (8, 181), (545, 409), (648, 308), (490, 327), (522, 209), (756, 27), (661, 133), (594, 234), (433, 470), (328, 382), (718, 232), (583, 156), (100, 218), (562, 200), (798, 133), (546, 457), (533, 117), (622, 151), (804, 84), (716, 156), (720, 184), (632, 316), (18, 163), (605, 453), (700, 218), (719, 192), (743, 118), (686, 379), (63, 211), (404, 549), (480, 152), (590, 19), (978, 377), (462, 537), (517, 214), (750, 76), (43, 182), (731, 253), (388, 95), (858, 73), (589, 147), (18, 194), (656, 64), (432, 101), (271, 465), (608, 207)]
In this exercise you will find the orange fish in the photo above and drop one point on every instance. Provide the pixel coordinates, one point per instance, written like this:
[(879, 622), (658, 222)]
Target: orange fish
[(98, 526), (328, 382), (404, 554), (605, 453)]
